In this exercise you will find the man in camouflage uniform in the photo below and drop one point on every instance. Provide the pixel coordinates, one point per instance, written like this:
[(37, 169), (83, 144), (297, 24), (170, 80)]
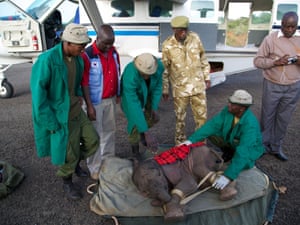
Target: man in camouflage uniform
[(187, 69)]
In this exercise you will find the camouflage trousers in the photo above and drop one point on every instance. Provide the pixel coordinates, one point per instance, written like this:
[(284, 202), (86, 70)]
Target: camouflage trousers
[(199, 109)]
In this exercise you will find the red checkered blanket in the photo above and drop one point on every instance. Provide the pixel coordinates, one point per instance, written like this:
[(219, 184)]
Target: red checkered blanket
[(176, 153)]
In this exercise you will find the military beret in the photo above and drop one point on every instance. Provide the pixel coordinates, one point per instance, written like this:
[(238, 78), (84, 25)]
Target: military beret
[(180, 22)]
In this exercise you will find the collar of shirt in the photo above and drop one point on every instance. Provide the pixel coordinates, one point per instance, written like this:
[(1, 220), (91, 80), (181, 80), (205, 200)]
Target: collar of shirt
[(296, 34), (96, 51)]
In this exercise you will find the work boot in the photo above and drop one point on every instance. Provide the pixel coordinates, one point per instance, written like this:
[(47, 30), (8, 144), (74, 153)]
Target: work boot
[(143, 139), (70, 189), (281, 156), (228, 192), (80, 172), (136, 152)]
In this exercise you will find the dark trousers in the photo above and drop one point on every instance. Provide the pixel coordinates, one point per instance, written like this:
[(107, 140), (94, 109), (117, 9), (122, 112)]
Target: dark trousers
[(227, 150), (278, 104)]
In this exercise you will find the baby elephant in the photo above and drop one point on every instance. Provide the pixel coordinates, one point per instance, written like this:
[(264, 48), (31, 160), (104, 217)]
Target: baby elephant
[(175, 174)]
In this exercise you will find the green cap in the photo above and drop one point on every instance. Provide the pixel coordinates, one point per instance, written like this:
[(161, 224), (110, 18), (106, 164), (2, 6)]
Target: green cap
[(180, 22)]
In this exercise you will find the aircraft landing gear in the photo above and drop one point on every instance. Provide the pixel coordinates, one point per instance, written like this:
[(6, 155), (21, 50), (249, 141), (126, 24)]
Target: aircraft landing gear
[(6, 89)]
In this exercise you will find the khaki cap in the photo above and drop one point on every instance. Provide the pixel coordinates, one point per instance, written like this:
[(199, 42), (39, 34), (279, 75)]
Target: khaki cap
[(76, 33), (180, 22), (241, 97), (146, 63)]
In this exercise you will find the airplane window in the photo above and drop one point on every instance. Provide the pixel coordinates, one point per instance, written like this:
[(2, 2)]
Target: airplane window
[(122, 8), (160, 8), (69, 10), (22, 4), (9, 12), (39, 7), (261, 17), (283, 8), (221, 17), (202, 9)]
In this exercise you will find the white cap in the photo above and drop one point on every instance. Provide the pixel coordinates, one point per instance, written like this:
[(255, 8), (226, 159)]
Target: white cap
[(241, 97), (146, 63), (75, 33)]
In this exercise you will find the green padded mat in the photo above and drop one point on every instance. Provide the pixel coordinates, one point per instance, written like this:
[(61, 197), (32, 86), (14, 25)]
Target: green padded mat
[(117, 196)]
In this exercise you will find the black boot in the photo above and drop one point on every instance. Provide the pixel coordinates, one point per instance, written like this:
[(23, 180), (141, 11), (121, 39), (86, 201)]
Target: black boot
[(136, 152), (143, 139), (80, 172), (69, 188)]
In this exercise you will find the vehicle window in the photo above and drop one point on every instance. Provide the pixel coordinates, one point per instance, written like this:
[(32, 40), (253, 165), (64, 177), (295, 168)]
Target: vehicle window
[(122, 8), (202, 9), (283, 8), (9, 12), (160, 8)]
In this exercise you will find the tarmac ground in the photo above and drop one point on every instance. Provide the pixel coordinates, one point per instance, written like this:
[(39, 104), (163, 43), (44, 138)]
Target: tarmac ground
[(40, 200)]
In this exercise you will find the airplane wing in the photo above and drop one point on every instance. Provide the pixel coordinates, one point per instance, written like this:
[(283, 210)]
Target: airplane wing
[(7, 59)]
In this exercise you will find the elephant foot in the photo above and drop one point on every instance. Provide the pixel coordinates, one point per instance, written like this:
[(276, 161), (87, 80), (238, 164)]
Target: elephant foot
[(228, 192), (174, 214)]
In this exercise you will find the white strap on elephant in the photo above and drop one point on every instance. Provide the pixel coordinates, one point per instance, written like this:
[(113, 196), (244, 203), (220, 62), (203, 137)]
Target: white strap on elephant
[(211, 176)]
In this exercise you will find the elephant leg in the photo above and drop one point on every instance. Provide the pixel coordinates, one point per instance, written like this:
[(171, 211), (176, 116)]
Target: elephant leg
[(228, 192), (173, 210), (187, 185)]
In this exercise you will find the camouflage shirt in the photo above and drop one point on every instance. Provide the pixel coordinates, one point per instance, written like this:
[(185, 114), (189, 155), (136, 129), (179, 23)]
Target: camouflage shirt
[(186, 66)]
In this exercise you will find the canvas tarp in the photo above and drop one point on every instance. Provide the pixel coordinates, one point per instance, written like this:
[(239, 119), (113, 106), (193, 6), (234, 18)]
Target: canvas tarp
[(118, 196)]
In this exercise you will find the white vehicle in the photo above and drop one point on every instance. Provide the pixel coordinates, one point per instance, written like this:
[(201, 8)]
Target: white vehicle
[(231, 30)]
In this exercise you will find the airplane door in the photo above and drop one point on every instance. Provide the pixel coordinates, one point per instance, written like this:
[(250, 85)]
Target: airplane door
[(19, 32), (23, 34), (31, 29), (237, 24)]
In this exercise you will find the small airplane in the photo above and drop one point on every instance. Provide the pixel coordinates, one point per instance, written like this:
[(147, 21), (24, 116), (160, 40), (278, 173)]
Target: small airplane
[(231, 30)]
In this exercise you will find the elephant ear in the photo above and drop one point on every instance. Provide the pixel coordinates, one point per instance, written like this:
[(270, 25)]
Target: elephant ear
[(150, 180), (144, 172)]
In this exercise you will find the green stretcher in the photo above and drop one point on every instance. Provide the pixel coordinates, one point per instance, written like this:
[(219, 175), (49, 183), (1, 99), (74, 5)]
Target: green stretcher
[(118, 198)]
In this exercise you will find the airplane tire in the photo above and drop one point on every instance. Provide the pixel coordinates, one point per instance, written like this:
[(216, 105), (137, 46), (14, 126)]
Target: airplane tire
[(6, 90)]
